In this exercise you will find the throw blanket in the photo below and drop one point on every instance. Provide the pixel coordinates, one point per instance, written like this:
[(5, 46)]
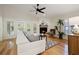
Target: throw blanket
[(31, 37)]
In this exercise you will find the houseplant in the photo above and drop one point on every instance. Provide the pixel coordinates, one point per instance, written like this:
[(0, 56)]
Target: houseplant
[(59, 28)]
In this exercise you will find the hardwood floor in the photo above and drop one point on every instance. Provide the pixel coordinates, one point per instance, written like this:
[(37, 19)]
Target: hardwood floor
[(4, 47), (60, 49)]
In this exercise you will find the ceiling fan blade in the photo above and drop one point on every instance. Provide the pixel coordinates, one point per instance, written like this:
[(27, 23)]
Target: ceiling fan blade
[(34, 7), (36, 12), (43, 8), (41, 11)]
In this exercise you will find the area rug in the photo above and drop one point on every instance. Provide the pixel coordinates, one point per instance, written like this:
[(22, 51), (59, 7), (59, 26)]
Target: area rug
[(51, 43)]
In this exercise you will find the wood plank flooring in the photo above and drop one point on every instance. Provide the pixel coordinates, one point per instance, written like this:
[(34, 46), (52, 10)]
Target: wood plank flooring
[(5, 50), (59, 49)]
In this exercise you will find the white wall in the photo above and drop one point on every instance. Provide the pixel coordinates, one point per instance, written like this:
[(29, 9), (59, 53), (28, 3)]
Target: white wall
[(12, 14)]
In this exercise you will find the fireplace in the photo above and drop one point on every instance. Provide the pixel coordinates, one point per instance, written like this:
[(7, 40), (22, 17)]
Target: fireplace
[(43, 28)]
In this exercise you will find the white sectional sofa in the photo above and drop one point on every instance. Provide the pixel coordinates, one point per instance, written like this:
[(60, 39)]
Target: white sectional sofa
[(25, 47)]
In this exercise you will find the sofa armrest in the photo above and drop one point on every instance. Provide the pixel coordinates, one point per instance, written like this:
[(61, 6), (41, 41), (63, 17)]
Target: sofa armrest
[(31, 48)]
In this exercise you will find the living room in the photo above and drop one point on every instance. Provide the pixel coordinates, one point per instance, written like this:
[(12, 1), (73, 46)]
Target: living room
[(26, 19)]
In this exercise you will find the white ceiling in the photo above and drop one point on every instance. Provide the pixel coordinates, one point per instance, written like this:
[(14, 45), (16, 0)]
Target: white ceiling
[(51, 11)]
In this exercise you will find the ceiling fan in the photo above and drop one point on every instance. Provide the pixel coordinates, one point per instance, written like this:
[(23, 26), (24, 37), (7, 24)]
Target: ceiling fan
[(39, 9)]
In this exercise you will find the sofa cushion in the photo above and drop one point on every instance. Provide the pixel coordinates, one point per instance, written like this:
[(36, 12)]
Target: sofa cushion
[(31, 37)]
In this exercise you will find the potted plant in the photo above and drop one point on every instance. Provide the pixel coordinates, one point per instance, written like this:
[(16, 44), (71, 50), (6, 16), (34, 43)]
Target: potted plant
[(59, 28)]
